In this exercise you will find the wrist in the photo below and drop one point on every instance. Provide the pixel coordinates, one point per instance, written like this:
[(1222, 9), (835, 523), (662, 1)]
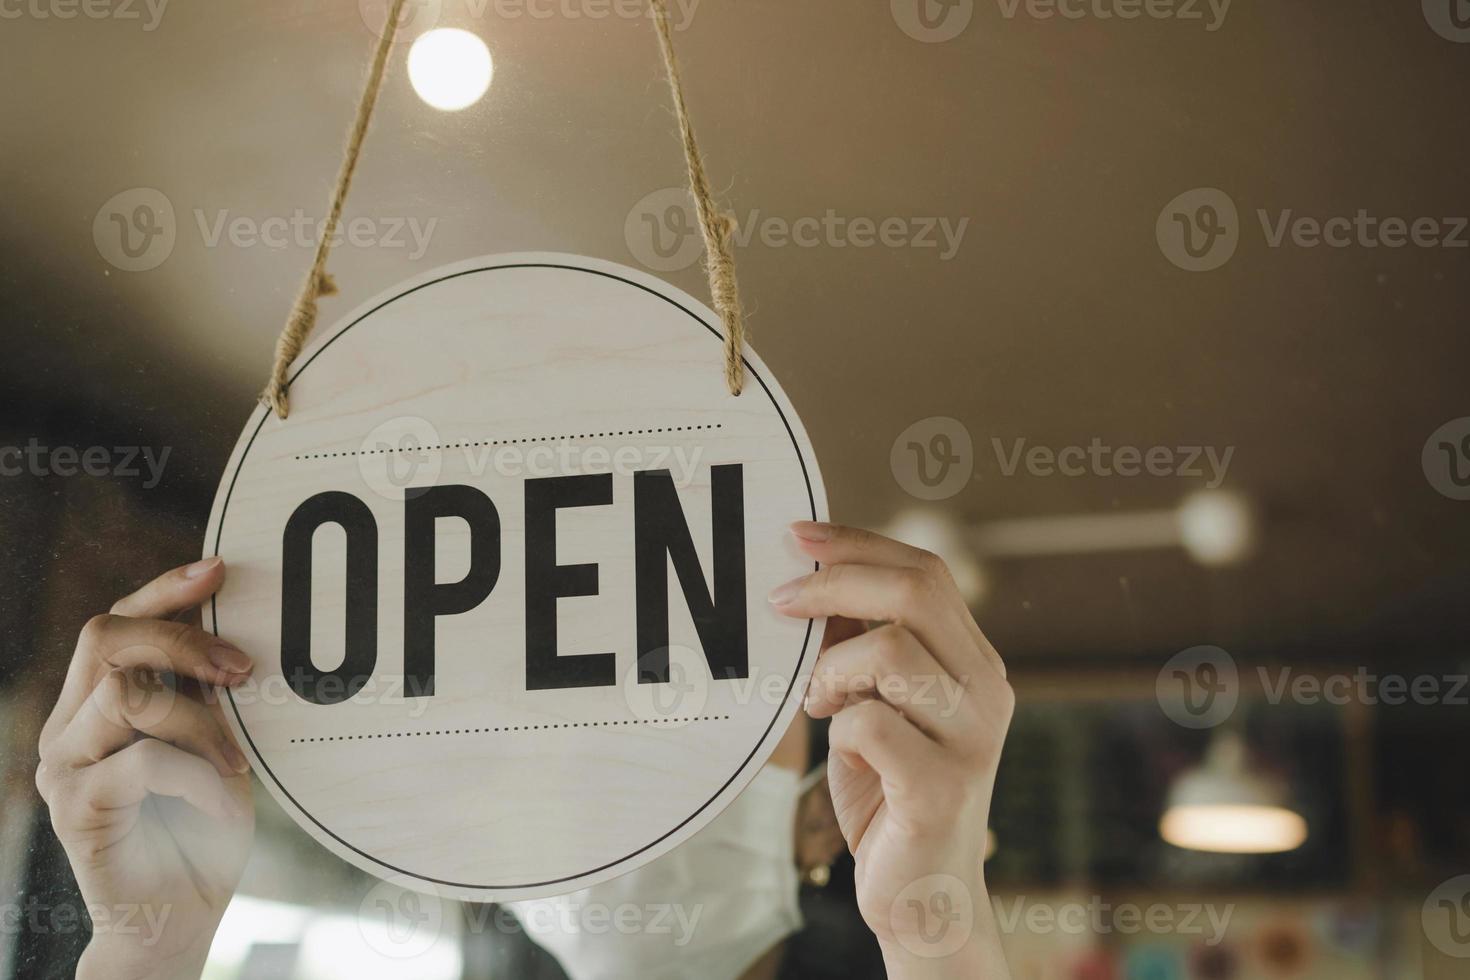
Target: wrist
[(975, 951), (112, 958)]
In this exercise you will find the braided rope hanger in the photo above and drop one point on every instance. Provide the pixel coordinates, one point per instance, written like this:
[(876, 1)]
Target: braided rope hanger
[(717, 226)]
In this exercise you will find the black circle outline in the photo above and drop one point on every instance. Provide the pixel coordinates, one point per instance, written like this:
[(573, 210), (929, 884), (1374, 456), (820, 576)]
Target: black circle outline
[(791, 684)]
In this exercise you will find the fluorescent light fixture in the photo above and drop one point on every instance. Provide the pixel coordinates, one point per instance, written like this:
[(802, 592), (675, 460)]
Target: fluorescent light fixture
[(1214, 527), (332, 945)]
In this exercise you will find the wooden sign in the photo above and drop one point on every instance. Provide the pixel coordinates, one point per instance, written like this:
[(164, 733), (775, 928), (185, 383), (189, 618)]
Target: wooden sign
[(504, 571)]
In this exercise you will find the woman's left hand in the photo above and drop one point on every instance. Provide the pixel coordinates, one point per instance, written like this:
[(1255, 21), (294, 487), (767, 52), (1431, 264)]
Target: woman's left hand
[(920, 707)]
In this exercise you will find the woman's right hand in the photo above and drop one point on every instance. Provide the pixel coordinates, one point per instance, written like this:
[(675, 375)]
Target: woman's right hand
[(148, 792)]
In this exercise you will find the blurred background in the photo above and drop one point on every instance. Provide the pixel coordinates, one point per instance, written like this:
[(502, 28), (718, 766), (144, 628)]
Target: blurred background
[(1151, 318)]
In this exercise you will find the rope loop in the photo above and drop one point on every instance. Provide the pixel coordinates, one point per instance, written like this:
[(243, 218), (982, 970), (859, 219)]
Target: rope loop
[(717, 226)]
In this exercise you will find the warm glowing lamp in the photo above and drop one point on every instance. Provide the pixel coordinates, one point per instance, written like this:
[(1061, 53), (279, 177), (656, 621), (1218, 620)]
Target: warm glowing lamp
[(1222, 806), (449, 68), (1217, 527)]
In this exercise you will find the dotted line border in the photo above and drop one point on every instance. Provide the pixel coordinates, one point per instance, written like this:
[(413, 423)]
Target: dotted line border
[(508, 728), (510, 442)]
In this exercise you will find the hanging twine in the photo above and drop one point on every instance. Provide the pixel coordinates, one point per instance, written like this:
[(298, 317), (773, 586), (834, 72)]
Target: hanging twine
[(318, 283), (718, 227)]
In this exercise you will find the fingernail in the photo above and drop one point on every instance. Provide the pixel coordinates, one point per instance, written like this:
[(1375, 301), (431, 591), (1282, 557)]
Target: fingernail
[(229, 658), (235, 757), (201, 566), (783, 594), (812, 531)]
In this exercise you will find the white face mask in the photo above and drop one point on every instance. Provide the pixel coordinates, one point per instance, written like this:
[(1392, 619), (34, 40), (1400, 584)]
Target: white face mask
[(709, 909)]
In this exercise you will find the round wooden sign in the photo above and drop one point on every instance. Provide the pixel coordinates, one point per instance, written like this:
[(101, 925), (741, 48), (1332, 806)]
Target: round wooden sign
[(503, 574)]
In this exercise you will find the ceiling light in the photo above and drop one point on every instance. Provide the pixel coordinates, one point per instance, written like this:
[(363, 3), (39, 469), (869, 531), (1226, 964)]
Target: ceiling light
[(1222, 806), (450, 69), (1216, 527)]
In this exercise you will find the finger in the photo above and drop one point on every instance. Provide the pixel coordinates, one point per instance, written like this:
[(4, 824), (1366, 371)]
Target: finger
[(126, 703), (179, 648), (886, 742), (206, 694), (209, 696), (891, 664), (108, 642), (150, 766), (174, 591), (907, 596), (835, 544), (857, 546)]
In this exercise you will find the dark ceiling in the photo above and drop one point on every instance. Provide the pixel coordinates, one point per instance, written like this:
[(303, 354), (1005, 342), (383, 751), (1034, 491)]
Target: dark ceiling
[(1058, 320)]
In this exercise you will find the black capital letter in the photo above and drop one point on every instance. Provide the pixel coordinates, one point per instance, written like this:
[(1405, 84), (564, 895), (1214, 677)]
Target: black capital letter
[(660, 530), (546, 581), (360, 641), (424, 599)]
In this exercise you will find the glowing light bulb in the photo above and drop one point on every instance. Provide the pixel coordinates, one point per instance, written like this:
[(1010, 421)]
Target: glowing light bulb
[(1217, 527), (450, 69)]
